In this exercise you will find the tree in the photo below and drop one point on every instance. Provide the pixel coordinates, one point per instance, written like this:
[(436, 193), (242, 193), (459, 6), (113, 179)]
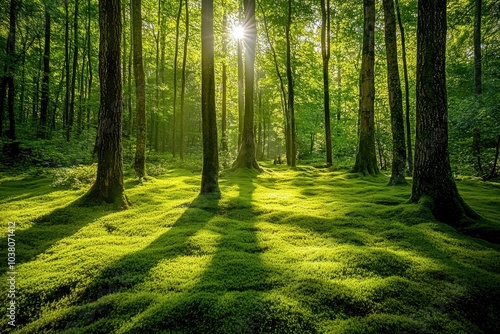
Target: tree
[(433, 184), (176, 54), (366, 158), (409, 156), (247, 155), (183, 82), (241, 86), (291, 93), (325, 53), (71, 114), (108, 186), (395, 96), (44, 105), (7, 85), (478, 82), (210, 172), (224, 85), (140, 90)]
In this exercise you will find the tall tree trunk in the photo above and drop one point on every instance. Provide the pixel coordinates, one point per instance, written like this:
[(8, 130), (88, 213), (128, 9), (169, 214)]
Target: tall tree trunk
[(282, 86), (183, 84), (89, 57), (176, 53), (71, 116), (433, 184), (66, 66), (210, 172), (241, 88), (247, 154), (140, 91), (44, 107), (157, 78), (395, 96), (366, 159), (224, 85), (325, 53), (291, 94), (163, 43), (409, 146), (108, 186), (478, 83)]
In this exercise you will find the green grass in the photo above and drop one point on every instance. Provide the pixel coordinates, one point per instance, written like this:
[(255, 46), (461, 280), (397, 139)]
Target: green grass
[(287, 251)]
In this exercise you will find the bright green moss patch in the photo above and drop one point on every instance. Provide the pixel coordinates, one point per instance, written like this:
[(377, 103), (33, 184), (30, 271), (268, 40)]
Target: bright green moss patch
[(286, 251)]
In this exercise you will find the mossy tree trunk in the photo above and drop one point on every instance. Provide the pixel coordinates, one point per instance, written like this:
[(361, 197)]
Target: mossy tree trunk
[(247, 154), (210, 172), (44, 104), (140, 90), (433, 184), (366, 158), (325, 53), (108, 186), (395, 97)]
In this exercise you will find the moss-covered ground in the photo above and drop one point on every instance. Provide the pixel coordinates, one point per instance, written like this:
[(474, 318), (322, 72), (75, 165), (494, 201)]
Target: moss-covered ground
[(286, 251)]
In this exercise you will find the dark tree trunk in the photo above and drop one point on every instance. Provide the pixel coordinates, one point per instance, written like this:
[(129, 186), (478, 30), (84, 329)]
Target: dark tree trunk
[(44, 106), (140, 91), (366, 159), (71, 114), (291, 94), (478, 83), (325, 53), (89, 56), (176, 54), (66, 66), (433, 184), (224, 85), (247, 153), (183, 83), (395, 97), (210, 172), (409, 146), (108, 186)]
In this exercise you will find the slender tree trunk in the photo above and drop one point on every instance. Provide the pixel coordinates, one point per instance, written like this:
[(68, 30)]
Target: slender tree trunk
[(164, 136), (366, 159), (67, 66), (224, 85), (140, 91), (433, 184), (210, 172), (129, 75), (174, 116), (395, 96), (247, 153), (409, 146), (89, 57), (476, 138), (325, 53), (44, 107), (241, 89), (291, 94), (71, 116), (183, 84), (157, 79), (108, 186), (495, 161)]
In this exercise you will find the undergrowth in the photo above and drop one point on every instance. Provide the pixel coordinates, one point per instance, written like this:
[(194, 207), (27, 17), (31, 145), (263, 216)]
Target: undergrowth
[(303, 250)]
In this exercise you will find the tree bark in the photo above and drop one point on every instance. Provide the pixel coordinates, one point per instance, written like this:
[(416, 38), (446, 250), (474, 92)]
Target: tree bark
[(241, 88), (247, 153), (183, 83), (66, 66), (325, 53), (291, 93), (44, 106), (395, 97), (366, 158), (433, 184), (409, 146), (478, 83), (108, 186), (140, 91), (224, 85), (176, 53), (210, 172), (71, 113)]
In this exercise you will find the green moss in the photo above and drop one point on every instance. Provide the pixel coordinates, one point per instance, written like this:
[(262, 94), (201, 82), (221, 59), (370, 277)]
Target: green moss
[(300, 250)]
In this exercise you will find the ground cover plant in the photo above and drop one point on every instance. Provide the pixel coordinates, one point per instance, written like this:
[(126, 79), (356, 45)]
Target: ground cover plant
[(305, 250)]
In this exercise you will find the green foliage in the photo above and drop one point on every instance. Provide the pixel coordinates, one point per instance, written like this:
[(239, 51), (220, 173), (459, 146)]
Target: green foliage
[(306, 250), (75, 177)]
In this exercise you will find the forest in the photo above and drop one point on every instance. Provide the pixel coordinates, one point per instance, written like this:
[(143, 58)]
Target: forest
[(250, 166)]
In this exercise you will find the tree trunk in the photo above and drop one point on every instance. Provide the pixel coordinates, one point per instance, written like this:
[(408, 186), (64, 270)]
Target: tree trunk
[(140, 91), (174, 120), (325, 53), (247, 153), (210, 172), (44, 107), (66, 66), (366, 159), (478, 82), (409, 146), (183, 83), (89, 56), (433, 184), (71, 114), (108, 186), (395, 97), (291, 94), (224, 85), (241, 89)]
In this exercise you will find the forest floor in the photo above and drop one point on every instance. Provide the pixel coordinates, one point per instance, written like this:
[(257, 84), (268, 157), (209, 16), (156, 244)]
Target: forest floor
[(300, 250)]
